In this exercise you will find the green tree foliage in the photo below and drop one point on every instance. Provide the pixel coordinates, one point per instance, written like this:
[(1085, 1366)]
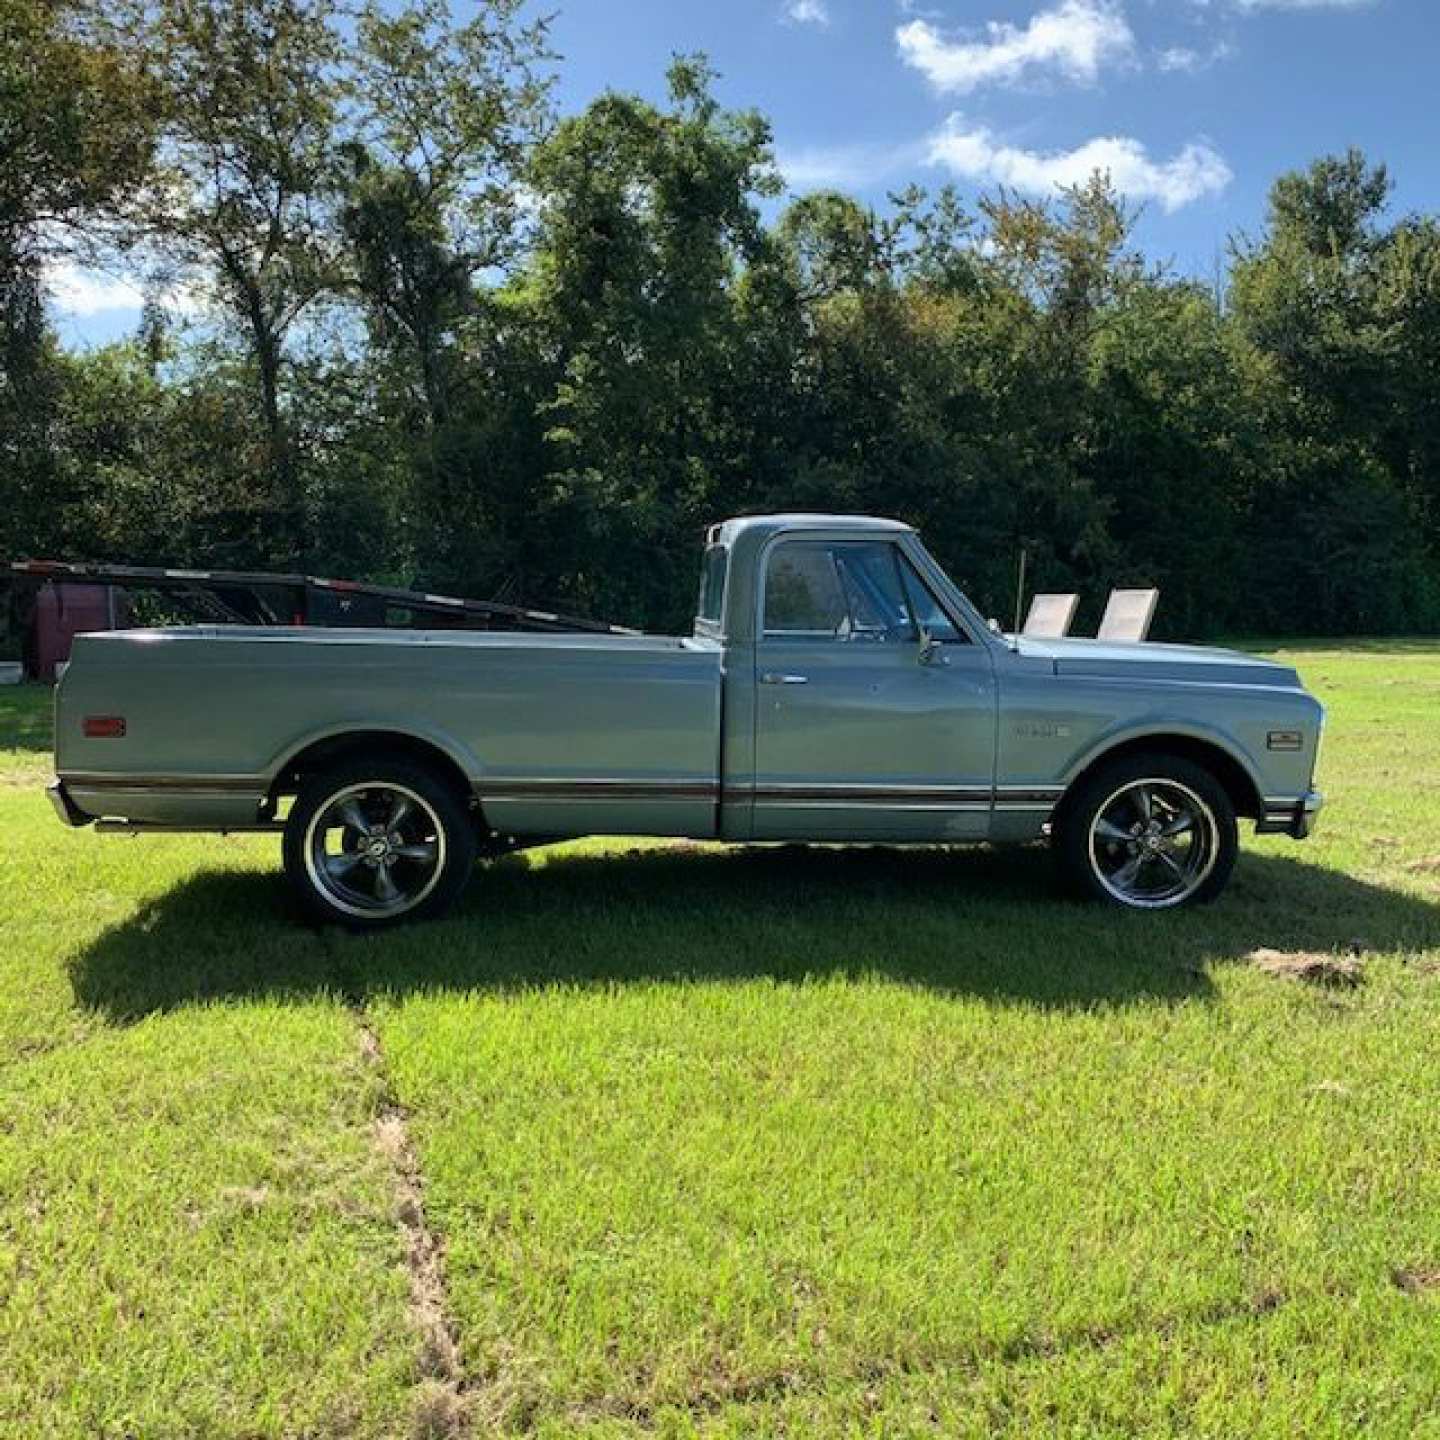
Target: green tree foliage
[(1171, 444), (1408, 302), (76, 134), (647, 223), (76, 123), (244, 189), (1342, 504), (456, 343), (444, 116)]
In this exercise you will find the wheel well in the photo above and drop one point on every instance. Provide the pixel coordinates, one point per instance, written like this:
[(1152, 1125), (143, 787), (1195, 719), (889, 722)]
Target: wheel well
[(354, 743), (1223, 766)]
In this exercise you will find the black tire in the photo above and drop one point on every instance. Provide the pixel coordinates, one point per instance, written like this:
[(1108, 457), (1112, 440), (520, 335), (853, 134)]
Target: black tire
[(1097, 841), (337, 884)]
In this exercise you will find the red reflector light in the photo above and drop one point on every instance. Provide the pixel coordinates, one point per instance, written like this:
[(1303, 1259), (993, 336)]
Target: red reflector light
[(104, 727)]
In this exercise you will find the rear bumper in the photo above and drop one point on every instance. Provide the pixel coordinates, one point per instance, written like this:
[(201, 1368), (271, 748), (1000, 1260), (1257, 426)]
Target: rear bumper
[(1296, 818), (68, 811)]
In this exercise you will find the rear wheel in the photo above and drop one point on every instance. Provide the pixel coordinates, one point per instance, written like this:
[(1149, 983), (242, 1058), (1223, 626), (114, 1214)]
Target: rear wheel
[(1149, 832), (372, 842)]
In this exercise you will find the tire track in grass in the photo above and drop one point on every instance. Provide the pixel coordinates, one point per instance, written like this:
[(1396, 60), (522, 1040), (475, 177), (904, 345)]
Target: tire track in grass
[(442, 1404)]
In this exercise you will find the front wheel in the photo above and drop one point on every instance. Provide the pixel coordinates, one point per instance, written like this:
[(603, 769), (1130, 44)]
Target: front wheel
[(369, 843), (1149, 832)]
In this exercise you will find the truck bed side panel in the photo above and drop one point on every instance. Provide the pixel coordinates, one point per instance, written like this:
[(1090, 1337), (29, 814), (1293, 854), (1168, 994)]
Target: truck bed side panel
[(558, 735)]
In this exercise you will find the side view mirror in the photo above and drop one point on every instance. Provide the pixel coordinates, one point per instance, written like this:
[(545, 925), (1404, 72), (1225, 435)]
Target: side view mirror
[(931, 650)]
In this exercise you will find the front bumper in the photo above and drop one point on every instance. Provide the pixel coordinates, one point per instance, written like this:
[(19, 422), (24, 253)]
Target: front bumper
[(68, 811), (1296, 818)]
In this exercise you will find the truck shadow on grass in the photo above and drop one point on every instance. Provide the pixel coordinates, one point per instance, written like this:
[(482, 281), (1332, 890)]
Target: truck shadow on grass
[(969, 922)]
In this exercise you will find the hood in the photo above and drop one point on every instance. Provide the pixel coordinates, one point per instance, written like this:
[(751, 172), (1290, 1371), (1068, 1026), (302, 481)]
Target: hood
[(1197, 663)]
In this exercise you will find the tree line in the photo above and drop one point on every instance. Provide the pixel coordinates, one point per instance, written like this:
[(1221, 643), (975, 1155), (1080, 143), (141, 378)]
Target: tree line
[(449, 338)]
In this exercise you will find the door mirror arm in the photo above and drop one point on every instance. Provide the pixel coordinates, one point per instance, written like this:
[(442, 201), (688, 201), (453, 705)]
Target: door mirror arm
[(932, 652)]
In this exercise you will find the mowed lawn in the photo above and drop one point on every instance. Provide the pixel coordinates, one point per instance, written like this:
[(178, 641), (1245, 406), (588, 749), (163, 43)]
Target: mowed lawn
[(745, 1143)]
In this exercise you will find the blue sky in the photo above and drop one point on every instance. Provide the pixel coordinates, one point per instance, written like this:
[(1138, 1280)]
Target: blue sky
[(1193, 105)]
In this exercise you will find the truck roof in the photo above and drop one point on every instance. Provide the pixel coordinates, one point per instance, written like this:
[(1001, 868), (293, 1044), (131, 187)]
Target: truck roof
[(727, 531)]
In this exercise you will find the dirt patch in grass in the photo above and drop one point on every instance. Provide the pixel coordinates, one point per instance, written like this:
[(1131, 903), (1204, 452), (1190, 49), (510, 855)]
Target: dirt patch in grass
[(1335, 972), (1416, 1280), (246, 1197), (1430, 865), (441, 1410)]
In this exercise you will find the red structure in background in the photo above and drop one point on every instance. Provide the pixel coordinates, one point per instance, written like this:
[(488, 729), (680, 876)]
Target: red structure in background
[(63, 611)]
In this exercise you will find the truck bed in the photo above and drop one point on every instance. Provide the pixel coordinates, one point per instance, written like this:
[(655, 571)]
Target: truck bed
[(567, 733)]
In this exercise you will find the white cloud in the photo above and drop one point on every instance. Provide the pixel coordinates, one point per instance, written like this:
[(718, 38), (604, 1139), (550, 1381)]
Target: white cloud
[(840, 167), (975, 154), (807, 12), (83, 292), (1183, 58), (1076, 39), (1179, 57), (80, 292)]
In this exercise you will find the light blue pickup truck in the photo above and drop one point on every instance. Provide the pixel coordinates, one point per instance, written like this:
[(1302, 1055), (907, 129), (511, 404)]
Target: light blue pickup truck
[(836, 687)]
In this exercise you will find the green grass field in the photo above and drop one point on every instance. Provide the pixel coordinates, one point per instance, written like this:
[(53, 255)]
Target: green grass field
[(679, 1141)]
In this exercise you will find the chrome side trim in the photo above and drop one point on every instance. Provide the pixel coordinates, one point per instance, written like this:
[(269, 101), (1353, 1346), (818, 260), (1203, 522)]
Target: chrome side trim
[(165, 784), (962, 807), (874, 793), (175, 792), (159, 827), (596, 789), (782, 794), (1027, 799)]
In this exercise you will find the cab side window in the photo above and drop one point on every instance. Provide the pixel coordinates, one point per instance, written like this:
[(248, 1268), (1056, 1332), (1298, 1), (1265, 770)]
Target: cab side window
[(856, 591), (803, 598)]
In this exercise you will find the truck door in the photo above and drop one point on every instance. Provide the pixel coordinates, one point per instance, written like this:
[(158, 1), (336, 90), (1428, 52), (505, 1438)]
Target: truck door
[(875, 711)]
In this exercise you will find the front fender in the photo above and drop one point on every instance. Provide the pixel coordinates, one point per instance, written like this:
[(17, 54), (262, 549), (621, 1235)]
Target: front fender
[(1052, 728), (1159, 729)]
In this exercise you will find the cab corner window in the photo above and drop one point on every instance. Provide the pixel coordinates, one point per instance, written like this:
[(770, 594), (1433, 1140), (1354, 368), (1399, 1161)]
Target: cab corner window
[(712, 585), (925, 608)]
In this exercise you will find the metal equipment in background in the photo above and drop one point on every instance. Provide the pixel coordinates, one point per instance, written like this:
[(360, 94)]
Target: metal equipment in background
[(1128, 614), (1050, 616), (52, 601)]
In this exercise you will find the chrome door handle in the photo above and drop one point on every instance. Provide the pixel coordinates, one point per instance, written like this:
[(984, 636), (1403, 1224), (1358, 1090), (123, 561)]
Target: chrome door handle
[(774, 677)]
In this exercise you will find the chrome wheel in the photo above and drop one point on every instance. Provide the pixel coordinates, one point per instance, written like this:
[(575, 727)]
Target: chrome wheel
[(375, 849), (1153, 843)]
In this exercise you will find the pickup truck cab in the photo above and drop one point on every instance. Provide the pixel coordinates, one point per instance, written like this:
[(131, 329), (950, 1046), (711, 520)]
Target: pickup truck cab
[(836, 687)]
